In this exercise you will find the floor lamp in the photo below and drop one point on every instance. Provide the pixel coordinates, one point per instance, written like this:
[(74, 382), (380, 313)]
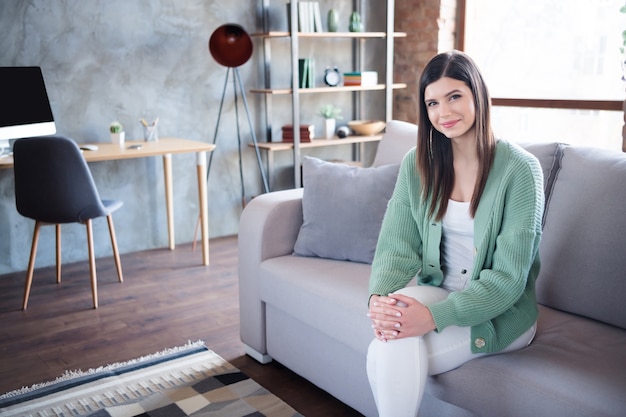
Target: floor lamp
[(231, 47)]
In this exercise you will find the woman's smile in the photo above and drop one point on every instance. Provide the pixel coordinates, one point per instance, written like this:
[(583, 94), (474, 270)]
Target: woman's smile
[(450, 124)]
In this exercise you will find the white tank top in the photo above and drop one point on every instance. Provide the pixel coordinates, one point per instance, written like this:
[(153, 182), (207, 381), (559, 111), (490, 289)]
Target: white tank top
[(457, 246)]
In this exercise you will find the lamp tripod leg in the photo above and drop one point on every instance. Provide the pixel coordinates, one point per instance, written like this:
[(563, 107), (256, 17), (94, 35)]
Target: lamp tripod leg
[(217, 123), (243, 189), (236, 81), (266, 187)]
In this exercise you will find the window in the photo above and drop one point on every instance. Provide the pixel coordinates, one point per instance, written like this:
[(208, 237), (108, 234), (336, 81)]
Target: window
[(539, 55)]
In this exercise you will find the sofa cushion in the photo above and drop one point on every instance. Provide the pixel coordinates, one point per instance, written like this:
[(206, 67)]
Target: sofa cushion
[(306, 287), (574, 367), (583, 247), (549, 156), (398, 139), (343, 207)]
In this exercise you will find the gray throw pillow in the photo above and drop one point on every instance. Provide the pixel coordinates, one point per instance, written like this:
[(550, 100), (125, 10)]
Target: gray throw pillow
[(343, 208)]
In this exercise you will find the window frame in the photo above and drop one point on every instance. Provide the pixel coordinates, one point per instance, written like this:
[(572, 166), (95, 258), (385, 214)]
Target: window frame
[(611, 105)]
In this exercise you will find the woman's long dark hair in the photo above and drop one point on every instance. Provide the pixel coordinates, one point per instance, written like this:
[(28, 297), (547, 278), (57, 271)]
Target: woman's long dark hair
[(434, 155)]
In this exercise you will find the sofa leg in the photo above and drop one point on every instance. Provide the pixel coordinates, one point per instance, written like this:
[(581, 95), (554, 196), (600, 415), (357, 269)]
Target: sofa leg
[(259, 357)]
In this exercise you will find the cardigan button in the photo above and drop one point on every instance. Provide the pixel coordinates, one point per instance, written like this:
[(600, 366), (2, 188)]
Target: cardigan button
[(480, 343)]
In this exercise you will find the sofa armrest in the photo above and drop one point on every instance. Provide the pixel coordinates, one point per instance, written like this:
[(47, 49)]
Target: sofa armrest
[(268, 228)]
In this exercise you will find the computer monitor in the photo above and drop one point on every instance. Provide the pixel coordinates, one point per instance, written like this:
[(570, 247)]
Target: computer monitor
[(24, 106)]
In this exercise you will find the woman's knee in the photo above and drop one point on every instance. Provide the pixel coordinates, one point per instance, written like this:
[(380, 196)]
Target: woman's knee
[(424, 294)]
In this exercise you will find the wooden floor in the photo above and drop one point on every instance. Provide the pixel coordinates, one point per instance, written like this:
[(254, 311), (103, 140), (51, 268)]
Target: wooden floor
[(166, 300)]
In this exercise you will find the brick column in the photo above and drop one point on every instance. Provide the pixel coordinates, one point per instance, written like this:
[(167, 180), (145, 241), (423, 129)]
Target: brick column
[(430, 28)]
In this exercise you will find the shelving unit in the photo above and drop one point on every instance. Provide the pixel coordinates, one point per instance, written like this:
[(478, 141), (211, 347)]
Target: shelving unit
[(272, 147), (268, 91), (313, 90)]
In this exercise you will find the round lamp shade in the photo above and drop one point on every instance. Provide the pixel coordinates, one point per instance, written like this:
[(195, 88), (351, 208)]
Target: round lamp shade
[(230, 45)]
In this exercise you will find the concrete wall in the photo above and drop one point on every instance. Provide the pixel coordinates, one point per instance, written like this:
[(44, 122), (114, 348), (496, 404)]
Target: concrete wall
[(123, 60)]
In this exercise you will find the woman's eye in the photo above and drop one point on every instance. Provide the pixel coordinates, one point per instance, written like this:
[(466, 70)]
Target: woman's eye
[(455, 96), (431, 104)]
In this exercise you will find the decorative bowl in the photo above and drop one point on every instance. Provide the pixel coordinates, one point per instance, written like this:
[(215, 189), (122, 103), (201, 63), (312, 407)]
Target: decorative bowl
[(367, 127)]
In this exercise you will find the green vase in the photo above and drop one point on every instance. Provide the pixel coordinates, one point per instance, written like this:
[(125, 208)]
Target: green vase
[(355, 22), (333, 20)]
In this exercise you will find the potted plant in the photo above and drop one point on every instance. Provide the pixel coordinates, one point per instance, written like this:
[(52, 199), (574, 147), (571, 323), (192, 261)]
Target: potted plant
[(117, 133), (331, 114)]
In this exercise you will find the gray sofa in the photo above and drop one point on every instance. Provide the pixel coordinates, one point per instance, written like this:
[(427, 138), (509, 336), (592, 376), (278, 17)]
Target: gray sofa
[(309, 312)]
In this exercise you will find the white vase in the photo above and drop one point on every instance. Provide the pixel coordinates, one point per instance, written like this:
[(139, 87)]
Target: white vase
[(329, 128), (118, 138)]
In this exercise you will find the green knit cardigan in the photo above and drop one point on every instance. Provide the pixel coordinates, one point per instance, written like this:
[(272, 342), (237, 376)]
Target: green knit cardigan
[(500, 303)]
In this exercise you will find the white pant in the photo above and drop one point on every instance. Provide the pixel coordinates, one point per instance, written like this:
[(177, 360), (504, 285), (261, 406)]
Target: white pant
[(397, 369)]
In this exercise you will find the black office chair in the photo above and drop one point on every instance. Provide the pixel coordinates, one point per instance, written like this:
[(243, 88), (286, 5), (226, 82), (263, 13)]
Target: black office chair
[(53, 185)]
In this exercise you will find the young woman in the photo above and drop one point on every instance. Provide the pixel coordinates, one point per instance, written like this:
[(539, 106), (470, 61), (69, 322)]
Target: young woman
[(465, 219)]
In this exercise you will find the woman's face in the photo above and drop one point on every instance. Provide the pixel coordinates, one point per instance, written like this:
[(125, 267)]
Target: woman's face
[(451, 110)]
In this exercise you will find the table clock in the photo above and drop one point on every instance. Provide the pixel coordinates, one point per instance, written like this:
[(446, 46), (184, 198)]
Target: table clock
[(332, 77)]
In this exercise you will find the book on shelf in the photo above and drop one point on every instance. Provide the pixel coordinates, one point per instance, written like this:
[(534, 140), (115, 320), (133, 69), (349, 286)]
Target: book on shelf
[(361, 78), (317, 17), (303, 139), (308, 127), (306, 73), (307, 132), (304, 17), (309, 16)]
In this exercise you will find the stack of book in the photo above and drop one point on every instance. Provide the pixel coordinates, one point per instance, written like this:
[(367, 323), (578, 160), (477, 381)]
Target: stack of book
[(307, 132), (363, 78), (309, 16), (306, 73)]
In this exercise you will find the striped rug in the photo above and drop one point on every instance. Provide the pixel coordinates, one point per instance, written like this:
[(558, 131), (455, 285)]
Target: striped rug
[(187, 381)]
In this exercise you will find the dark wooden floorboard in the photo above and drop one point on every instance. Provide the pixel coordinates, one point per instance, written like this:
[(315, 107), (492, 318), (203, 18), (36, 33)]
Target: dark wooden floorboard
[(167, 299)]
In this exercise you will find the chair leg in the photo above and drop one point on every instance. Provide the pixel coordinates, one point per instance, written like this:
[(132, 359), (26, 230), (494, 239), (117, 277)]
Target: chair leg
[(31, 265), (116, 253), (58, 233), (92, 263)]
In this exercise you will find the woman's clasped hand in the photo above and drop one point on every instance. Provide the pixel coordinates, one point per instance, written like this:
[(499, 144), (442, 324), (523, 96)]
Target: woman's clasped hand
[(397, 316)]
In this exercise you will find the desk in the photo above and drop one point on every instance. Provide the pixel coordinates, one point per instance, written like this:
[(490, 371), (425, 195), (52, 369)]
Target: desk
[(164, 147)]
